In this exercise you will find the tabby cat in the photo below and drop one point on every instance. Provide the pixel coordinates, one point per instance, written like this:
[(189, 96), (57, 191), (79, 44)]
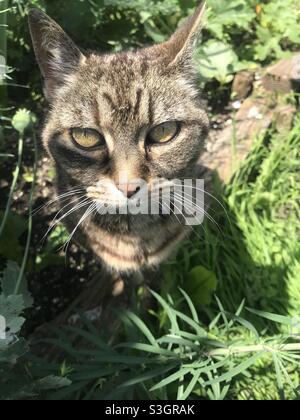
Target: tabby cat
[(135, 113)]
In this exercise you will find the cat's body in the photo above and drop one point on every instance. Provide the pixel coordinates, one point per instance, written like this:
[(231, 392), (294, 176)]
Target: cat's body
[(111, 103)]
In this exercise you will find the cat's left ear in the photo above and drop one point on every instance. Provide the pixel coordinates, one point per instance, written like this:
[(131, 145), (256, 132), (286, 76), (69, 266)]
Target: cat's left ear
[(56, 53), (181, 46)]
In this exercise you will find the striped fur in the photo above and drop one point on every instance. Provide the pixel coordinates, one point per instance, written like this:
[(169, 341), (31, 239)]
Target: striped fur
[(123, 96)]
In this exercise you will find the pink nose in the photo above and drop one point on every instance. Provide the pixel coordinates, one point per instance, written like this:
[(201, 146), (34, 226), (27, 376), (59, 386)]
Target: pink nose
[(130, 189)]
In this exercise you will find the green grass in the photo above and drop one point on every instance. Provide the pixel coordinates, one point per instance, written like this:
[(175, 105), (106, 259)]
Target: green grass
[(256, 254)]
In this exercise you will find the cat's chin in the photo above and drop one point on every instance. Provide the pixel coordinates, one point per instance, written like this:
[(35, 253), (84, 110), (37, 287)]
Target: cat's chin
[(131, 251), (128, 243), (129, 224)]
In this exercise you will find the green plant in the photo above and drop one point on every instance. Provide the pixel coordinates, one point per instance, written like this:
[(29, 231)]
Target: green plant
[(16, 380), (238, 33), (3, 49), (3, 18), (278, 29), (218, 60), (187, 361)]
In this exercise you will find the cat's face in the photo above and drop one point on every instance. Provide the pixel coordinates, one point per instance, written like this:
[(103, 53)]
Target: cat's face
[(135, 115)]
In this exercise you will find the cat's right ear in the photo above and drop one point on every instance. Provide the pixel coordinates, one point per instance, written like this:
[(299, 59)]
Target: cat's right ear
[(56, 53), (178, 51)]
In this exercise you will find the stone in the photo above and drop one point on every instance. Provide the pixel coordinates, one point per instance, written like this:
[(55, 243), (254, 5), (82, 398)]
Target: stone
[(284, 76), (242, 84)]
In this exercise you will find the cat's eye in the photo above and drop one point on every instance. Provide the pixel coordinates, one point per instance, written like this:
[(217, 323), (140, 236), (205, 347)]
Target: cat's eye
[(87, 138), (164, 133)]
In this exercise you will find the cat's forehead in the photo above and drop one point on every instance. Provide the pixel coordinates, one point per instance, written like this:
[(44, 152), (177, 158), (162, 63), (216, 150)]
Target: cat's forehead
[(124, 75), (127, 88)]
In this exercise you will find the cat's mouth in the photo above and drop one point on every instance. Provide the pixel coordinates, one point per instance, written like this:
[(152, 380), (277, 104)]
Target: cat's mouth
[(113, 201), (147, 200), (113, 195)]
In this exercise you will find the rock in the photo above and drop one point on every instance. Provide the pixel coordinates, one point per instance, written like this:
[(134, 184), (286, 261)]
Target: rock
[(243, 84), (267, 106), (284, 117), (284, 76)]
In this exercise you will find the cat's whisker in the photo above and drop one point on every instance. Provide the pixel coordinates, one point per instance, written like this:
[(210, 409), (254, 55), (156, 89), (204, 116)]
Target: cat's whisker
[(191, 206), (67, 205), (62, 197), (55, 222), (211, 196), (207, 240), (73, 209), (185, 194), (87, 213), (171, 211), (188, 198), (192, 227), (182, 198), (78, 206)]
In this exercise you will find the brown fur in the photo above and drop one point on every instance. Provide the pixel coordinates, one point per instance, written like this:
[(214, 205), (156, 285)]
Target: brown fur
[(122, 96)]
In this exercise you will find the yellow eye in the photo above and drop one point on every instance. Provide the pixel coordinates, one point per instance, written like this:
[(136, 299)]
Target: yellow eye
[(164, 132), (87, 138)]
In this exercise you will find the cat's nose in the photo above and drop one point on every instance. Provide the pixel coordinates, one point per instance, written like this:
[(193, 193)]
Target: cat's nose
[(129, 189)]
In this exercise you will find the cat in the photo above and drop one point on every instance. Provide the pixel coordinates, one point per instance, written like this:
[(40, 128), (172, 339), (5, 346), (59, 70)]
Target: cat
[(135, 114)]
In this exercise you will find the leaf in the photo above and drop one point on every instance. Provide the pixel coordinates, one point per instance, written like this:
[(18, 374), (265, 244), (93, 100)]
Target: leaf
[(147, 348), (50, 256), (279, 319), (89, 374), (10, 247), (10, 353), (169, 339), (52, 382), (199, 330), (9, 280), (191, 306), (92, 338), (28, 175), (141, 326), (217, 60), (246, 324), (241, 368), (67, 391), (200, 286), (10, 309), (154, 33), (280, 381), (172, 378), (169, 310), (191, 385), (147, 376)]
